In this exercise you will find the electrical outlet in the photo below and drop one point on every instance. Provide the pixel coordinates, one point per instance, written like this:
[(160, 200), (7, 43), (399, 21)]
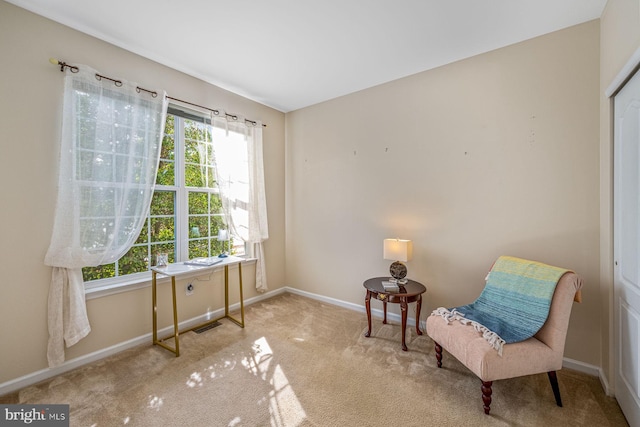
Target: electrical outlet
[(189, 289)]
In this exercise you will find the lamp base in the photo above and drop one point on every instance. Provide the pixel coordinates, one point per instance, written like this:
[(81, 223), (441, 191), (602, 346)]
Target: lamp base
[(398, 271)]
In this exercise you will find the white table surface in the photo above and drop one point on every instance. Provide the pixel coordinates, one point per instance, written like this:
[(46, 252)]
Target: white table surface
[(178, 268)]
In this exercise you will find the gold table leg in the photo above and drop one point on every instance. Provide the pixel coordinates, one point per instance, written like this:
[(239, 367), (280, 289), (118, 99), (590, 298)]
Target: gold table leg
[(226, 297), (154, 298), (154, 308)]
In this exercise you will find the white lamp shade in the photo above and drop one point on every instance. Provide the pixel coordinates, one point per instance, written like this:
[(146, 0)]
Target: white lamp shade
[(223, 235), (398, 250)]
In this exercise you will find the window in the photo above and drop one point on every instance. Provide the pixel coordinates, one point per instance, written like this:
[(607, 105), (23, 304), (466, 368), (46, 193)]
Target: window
[(186, 210)]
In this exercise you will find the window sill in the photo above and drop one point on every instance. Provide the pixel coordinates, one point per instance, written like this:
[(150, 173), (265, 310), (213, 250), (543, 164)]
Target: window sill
[(141, 282)]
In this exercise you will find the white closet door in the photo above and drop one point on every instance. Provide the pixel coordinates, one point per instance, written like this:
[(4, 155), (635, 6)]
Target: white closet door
[(627, 248)]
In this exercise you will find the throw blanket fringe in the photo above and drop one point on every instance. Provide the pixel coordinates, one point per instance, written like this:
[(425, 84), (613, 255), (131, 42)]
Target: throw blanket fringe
[(491, 337)]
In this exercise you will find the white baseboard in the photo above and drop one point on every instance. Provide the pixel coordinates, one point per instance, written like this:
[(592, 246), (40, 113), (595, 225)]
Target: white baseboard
[(604, 382), (585, 368), (44, 374), (589, 369), (360, 308)]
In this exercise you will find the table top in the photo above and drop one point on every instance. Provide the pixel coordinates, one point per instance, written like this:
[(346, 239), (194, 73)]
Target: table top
[(179, 268), (411, 288)]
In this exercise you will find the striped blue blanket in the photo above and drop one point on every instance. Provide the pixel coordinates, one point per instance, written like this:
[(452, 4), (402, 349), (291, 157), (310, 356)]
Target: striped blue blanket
[(514, 303)]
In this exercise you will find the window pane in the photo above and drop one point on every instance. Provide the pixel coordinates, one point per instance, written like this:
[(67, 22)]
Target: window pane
[(198, 227), (134, 261), (192, 151), (197, 203), (198, 248), (216, 204), (97, 201), (193, 176), (211, 179), (166, 173), (162, 229), (195, 130), (218, 247), (166, 167), (168, 142), (144, 233), (100, 272), (217, 223), (168, 148), (163, 203)]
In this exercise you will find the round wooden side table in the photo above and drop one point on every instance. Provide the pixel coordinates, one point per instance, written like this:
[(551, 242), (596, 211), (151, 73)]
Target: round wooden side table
[(409, 292)]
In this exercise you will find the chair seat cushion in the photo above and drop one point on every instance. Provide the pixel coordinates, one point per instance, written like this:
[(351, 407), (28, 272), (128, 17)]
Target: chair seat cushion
[(467, 345)]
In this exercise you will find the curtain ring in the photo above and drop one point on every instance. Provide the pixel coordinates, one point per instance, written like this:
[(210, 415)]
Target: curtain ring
[(118, 83), (153, 93)]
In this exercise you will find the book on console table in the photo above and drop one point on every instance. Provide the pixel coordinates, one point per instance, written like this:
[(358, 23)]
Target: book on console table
[(390, 286), (204, 262)]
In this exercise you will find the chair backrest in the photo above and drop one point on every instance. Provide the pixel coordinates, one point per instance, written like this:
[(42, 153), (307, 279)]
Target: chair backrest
[(554, 332)]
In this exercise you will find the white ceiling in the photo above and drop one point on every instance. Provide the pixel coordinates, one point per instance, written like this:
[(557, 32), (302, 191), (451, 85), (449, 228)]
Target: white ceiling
[(290, 54)]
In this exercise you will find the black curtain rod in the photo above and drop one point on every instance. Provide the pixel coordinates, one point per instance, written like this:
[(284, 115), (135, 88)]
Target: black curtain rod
[(214, 111), (118, 83)]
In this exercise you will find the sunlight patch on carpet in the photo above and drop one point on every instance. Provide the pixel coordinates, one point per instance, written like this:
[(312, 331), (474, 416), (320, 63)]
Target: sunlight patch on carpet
[(155, 402), (284, 406), (195, 379)]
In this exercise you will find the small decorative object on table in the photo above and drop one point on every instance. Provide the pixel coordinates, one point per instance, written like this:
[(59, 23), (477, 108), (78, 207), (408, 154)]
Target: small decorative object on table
[(162, 259), (390, 286), (208, 261)]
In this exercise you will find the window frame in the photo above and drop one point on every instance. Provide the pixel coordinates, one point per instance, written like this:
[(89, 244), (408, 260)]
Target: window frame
[(122, 283)]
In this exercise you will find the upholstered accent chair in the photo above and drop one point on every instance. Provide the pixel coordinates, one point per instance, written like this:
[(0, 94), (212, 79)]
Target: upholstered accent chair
[(539, 354)]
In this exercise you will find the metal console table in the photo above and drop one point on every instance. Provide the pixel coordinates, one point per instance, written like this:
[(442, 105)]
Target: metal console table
[(182, 269)]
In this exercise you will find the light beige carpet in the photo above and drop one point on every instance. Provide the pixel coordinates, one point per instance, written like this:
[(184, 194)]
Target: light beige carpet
[(300, 362)]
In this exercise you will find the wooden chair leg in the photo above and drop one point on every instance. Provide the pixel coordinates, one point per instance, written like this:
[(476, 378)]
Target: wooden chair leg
[(439, 355), (553, 379), (486, 395)]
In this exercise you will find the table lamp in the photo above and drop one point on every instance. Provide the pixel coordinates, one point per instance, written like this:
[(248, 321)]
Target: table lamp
[(223, 236), (399, 251)]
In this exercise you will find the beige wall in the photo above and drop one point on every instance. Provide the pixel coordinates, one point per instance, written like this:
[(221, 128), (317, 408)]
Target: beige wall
[(30, 104), (619, 38), (496, 154)]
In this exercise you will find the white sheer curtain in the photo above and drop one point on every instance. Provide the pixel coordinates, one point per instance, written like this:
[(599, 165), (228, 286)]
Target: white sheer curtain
[(110, 147), (240, 180)]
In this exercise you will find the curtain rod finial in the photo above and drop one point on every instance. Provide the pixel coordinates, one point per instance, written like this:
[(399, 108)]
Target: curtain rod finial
[(62, 64)]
